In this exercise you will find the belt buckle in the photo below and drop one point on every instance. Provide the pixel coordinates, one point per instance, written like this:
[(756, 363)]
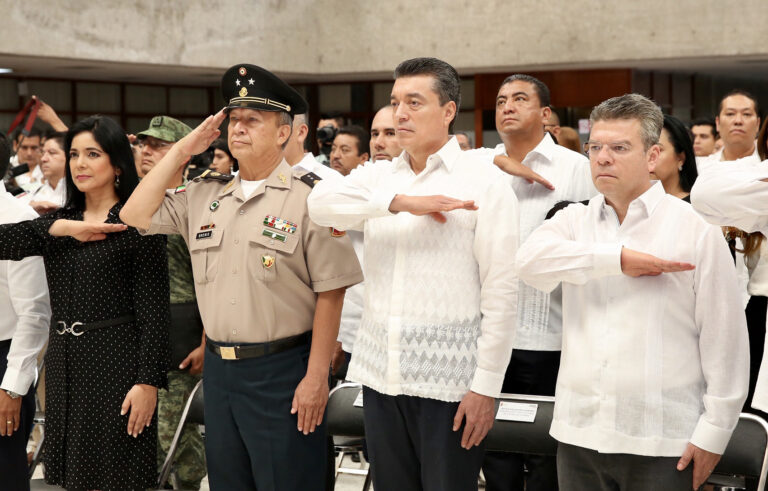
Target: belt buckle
[(227, 352)]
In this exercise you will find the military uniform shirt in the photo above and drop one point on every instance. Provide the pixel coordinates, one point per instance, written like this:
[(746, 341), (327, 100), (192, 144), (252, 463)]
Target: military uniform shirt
[(256, 282)]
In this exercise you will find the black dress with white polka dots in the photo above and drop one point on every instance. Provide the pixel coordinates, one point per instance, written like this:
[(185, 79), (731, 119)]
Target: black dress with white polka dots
[(87, 445)]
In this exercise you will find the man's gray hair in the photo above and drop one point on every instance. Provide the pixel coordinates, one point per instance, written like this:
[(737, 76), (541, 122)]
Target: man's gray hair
[(632, 106), (285, 118)]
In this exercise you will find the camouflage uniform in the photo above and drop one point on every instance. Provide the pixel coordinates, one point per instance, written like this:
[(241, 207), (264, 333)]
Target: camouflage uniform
[(189, 462)]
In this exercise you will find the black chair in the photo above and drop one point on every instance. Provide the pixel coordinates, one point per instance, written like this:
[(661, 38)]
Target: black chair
[(344, 422), (194, 413), (746, 455)]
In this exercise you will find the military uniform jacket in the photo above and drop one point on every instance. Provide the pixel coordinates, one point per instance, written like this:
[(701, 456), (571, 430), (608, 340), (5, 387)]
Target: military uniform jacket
[(258, 262)]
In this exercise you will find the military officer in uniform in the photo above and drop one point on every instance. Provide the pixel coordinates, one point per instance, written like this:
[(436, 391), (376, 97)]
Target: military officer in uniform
[(270, 285)]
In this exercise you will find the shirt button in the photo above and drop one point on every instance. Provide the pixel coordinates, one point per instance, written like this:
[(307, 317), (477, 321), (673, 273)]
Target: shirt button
[(237, 241), (232, 301), (271, 242), (242, 212), (234, 331)]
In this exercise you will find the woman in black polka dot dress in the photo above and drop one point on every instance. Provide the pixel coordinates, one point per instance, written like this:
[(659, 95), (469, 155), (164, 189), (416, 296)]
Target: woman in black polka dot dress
[(101, 385)]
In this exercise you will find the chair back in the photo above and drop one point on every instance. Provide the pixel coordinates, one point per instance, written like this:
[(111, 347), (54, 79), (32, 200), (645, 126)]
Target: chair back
[(196, 408), (343, 418), (747, 451), (523, 437)]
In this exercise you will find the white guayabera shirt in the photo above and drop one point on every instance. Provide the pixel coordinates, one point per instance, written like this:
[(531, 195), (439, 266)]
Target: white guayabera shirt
[(539, 314), (649, 363), (440, 298)]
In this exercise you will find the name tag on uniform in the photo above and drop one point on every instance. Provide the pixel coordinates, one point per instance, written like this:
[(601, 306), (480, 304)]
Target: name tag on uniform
[(274, 235), (204, 235), (517, 411)]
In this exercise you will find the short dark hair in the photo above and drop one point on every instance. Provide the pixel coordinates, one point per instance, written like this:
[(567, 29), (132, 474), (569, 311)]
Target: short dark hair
[(111, 138), (541, 89), (705, 122), (57, 136), (681, 141), (741, 92), (219, 144), (5, 155), (334, 115), (362, 136), (34, 131), (447, 82)]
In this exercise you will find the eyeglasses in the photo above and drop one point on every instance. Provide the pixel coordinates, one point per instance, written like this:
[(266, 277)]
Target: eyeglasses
[(153, 144), (593, 148)]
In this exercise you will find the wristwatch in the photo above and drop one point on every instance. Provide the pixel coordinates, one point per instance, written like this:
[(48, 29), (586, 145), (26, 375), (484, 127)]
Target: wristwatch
[(12, 394)]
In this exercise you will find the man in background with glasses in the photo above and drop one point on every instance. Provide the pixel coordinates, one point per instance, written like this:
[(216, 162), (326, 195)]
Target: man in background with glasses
[(655, 358), (186, 332)]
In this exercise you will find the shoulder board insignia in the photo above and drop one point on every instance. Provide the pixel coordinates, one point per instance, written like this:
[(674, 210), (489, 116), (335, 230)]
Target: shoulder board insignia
[(212, 175), (310, 179)]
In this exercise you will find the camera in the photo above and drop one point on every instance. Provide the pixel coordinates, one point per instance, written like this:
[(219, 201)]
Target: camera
[(325, 136)]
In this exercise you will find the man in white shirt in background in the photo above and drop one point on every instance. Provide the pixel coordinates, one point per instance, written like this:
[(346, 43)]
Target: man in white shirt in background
[(704, 133), (522, 113), (28, 150), (24, 323), (655, 357), (298, 157), (384, 144), (440, 298), (738, 122)]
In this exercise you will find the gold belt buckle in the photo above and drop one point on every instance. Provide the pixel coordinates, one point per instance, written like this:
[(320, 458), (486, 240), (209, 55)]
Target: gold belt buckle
[(227, 352)]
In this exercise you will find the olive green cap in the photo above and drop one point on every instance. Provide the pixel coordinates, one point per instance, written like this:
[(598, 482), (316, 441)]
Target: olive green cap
[(166, 128)]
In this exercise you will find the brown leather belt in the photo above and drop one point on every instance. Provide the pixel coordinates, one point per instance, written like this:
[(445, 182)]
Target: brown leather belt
[(257, 350), (79, 328)]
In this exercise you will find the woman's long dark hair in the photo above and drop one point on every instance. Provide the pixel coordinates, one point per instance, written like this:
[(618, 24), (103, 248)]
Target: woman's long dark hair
[(111, 138), (681, 140)]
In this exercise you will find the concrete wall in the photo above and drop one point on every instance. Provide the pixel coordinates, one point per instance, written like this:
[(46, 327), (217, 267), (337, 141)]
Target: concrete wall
[(347, 37)]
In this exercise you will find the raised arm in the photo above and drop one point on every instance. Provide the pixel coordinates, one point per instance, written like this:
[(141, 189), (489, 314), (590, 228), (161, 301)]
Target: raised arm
[(733, 194), (149, 194)]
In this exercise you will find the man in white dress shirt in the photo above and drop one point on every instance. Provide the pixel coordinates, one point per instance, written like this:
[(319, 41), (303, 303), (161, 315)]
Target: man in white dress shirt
[(24, 323), (440, 298), (738, 122), (522, 113), (655, 357)]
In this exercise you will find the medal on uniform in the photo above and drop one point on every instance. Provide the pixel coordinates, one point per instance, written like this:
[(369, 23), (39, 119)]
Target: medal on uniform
[(280, 224), (214, 205), (267, 261), (274, 235)]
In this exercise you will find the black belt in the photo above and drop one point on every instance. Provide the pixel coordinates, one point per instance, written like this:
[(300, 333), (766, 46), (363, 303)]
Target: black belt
[(5, 343), (258, 349), (79, 328)]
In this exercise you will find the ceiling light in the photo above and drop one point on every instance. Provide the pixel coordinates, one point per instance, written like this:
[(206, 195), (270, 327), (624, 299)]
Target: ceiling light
[(6, 70)]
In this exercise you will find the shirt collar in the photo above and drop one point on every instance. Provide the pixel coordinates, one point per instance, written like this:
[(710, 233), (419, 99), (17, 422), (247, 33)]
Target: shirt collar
[(545, 148), (279, 178), (307, 162), (447, 155), (648, 201)]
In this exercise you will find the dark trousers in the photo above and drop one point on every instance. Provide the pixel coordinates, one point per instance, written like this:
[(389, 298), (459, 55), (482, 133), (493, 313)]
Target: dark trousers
[(412, 445), (13, 449), (582, 469), (252, 441), (533, 373)]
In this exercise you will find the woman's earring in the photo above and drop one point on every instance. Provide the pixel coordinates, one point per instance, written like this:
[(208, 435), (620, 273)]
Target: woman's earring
[(680, 167), (117, 180)]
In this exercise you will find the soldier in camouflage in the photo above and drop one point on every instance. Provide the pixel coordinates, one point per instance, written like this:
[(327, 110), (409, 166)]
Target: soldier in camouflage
[(186, 333)]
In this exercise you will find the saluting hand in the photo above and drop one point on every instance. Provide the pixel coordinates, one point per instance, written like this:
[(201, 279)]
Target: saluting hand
[(199, 139), (140, 401), (84, 231), (309, 402), (433, 206), (477, 410), (634, 263), (515, 168)]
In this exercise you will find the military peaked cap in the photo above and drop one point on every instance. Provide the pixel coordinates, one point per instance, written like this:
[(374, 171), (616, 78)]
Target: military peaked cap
[(253, 87)]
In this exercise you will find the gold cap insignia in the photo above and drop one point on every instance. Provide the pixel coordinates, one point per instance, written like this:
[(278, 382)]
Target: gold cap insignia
[(243, 92)]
